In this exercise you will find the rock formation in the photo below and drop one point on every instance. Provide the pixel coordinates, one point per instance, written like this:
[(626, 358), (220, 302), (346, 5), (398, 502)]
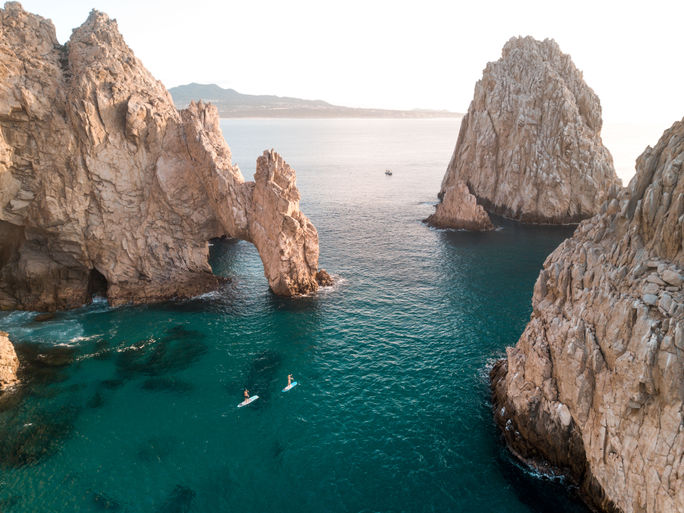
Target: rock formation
[(529, 147), (459, 209), (595, 385), (9, 363), (106, 187)]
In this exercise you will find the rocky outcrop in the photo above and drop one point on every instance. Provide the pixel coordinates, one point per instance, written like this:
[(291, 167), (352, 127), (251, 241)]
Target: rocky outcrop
[(595, 385), (106, 187), (459, 210), (284, 236), (529, 147), (9, 363)]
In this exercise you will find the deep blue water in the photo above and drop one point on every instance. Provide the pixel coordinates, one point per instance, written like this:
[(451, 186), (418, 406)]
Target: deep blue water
[(134, 409)]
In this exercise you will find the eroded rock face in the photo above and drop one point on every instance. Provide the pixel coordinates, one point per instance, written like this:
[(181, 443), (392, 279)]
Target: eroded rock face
[(106, 187), (285, 238), (9, 363), (529, 147), (595, 385), (459, 209)]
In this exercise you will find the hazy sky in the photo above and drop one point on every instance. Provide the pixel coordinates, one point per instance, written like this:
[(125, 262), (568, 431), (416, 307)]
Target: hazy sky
[(398, 54)]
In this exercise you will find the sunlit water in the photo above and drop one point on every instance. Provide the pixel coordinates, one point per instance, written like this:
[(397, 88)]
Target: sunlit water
[(134, 409)]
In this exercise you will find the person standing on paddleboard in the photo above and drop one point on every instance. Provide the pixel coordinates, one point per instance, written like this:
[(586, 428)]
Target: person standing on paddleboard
[(289, 379), (246, 394)]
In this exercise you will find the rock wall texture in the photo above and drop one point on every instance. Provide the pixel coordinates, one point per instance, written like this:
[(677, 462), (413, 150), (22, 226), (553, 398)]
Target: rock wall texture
[(459, 209), (595, 385), (9, 363), (529, 147), (106, 187)]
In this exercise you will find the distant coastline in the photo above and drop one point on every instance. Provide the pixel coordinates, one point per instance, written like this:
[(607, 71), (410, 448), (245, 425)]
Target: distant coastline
[(232, 104)]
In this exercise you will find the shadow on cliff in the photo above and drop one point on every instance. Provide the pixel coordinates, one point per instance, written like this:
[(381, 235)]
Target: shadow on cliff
[(507, 230), (539, 493)]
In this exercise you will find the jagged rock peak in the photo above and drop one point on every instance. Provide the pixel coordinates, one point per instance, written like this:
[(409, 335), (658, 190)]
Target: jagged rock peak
[(9, 363), (530, 147), (106, 188), (22, 29), (459, 210), (595, 385), (102, 26), (276, 222)]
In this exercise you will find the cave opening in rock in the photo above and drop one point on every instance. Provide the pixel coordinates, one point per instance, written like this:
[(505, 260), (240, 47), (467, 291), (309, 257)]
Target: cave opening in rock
[(11, 239), (97, 284)]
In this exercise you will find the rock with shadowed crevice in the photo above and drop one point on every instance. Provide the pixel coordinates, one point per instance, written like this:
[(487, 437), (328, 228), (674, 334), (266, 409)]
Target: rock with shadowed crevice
[(595, 385), (529, 147)]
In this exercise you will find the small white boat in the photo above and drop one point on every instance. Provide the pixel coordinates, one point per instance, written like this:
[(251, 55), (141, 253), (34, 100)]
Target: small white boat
[(388, 172)]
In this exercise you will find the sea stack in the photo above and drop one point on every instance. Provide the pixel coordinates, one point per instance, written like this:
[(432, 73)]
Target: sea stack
[(459, 210), (595, 385), (9, 363), (529, 148), (106, 188)]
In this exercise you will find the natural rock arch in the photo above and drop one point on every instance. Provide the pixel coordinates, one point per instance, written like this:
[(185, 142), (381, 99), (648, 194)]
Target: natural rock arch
[(100, 171)]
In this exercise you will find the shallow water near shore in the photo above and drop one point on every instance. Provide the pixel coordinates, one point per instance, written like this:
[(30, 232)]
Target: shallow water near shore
[(134, 409)]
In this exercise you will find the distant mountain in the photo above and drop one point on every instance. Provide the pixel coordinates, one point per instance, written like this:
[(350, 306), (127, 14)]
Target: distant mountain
[(232, 104)]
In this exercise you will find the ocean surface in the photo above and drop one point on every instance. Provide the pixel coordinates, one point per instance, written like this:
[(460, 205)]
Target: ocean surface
[(133, 409)]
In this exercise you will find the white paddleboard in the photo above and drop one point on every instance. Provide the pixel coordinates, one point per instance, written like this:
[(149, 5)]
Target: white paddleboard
[(290, 386), (247, 401)]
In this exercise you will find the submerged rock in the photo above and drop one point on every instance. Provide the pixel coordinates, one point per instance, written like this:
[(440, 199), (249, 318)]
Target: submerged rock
[(156, 449), (170, 384), (28, 437), (177, 350), (595, 385), (44, 317), (529, 147), (179, 500), (9, 363), (106, 189), (104, 502)]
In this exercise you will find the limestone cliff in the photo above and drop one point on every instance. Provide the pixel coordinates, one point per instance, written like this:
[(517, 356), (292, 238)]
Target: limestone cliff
[(529, 147), (9, 363), (595, 385), (106, 187)]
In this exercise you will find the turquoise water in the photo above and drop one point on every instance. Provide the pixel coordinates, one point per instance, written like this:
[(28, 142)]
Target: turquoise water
[(134, 409)]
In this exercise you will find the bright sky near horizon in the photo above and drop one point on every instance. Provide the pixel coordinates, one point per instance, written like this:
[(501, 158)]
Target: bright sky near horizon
[(397, 54)]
